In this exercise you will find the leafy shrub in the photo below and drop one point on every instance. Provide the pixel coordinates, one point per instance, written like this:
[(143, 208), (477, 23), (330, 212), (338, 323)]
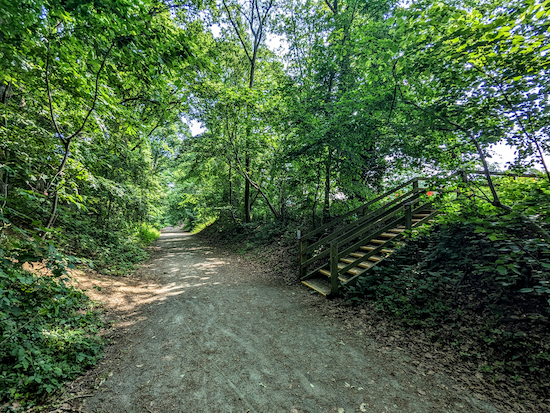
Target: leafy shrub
[(112, 251), (147, 233), (47, 327), (488, 287)]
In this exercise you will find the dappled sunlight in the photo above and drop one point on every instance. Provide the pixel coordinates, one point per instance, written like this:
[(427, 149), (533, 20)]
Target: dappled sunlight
[(127, 296), (169, 275)]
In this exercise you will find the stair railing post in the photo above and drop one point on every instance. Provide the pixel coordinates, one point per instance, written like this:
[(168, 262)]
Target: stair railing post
[(415, 184), (333, 269), (408, 216)]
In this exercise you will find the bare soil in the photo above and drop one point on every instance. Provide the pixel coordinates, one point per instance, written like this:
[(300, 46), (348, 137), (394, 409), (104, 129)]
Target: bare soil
[(200, 329)]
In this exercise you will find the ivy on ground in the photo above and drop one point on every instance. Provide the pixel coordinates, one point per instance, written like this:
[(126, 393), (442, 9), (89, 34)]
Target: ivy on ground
[(479, 283), (48, 329)]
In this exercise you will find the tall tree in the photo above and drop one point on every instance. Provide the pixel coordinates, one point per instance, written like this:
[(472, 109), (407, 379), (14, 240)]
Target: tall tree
[(249, 24)]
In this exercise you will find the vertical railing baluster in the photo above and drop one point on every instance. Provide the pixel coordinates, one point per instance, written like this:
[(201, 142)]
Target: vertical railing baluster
[(408, 216), (303, 255)]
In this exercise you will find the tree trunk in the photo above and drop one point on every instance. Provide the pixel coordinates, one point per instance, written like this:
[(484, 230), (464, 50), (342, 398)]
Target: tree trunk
[(247, 217), (326, 210), (230, 185), (533, 226)]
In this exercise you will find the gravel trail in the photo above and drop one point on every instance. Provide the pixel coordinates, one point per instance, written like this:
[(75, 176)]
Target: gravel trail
[(205, 333)]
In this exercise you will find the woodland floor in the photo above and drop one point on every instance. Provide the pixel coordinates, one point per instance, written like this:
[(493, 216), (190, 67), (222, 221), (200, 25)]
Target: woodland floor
[(203, 329)]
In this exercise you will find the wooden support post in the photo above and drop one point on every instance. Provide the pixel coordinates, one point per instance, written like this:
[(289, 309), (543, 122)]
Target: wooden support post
[(415, 184), (333, 270), (408, 216)]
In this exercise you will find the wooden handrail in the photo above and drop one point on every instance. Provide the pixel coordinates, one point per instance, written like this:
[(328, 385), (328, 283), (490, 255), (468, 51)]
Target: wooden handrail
[(360, 209), (361, 221), (513, 175)]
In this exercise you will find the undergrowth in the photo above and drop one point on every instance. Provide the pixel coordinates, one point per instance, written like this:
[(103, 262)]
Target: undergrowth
[(248, 237), (111, 251), (47, 327), (486, 296)]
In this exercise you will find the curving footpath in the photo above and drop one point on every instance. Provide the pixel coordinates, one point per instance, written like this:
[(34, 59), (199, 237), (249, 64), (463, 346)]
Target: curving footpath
[(213, 336)]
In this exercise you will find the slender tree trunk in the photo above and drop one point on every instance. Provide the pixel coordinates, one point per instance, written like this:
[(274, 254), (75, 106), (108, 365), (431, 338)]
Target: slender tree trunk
[(541, 155), (230, 185), (326, 210), (256, 21), (4, 187), (533, 226), (247, 217), (53, 213), (4, 182)]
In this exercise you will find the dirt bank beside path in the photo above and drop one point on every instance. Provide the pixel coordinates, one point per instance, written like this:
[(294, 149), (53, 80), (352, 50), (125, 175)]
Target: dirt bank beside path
[(198, 332)]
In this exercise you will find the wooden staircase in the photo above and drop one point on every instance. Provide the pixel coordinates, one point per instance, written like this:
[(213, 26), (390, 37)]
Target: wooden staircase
[(346, 248)]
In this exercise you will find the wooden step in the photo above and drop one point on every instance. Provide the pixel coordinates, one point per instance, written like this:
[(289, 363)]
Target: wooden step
[(421, 215), (341, 277), (370, 248), (378, 241), (396, 230), (388, 235), (353, 271), (360, 254), (361, 264), (321, 286)]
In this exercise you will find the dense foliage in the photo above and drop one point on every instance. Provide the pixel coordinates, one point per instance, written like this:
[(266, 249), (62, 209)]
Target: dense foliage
[(479, 283), (357, 96), (309, 108), (48, 328), (91, 98)]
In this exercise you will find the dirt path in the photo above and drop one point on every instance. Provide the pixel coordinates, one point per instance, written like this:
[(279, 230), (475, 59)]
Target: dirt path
[(200, 333)]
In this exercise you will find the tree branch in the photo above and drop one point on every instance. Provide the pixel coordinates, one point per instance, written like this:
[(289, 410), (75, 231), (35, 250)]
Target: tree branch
[(50, 104), (236, 30), (95, 93), (330, 7)]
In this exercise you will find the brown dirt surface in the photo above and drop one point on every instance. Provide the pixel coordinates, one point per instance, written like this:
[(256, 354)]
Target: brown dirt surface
[(201, 329)]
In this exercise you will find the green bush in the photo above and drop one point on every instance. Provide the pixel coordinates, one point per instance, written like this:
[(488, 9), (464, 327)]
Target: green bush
[(47, 327), (147, 233), (111, 251)]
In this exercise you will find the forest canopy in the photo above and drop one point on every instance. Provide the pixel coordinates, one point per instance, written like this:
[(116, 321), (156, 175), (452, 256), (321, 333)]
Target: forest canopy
[(96, 98)]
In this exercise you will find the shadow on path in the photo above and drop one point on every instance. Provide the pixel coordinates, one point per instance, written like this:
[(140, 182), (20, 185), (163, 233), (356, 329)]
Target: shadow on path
[(208, 336)]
